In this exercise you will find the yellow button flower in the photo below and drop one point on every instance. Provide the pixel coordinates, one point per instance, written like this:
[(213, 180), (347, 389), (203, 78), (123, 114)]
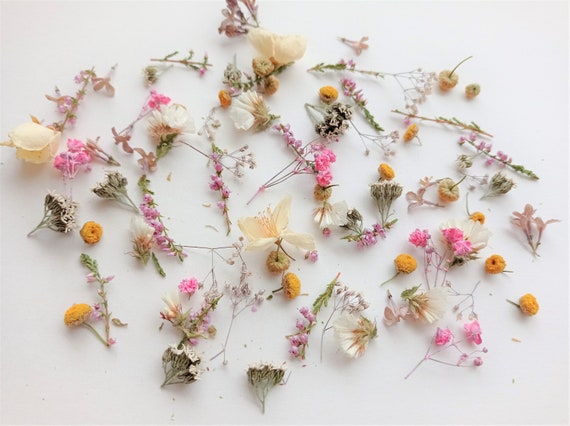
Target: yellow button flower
[(91, 232), (77, 314)]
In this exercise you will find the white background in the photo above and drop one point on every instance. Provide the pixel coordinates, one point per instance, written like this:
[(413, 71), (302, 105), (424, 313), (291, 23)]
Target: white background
[(54, 375)]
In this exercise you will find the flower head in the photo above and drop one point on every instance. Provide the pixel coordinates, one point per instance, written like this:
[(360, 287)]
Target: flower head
[(270, 227), (249, 110), (528, 304), (77, 314), (478, 217), (262, 378), (173, 310), (429, 306), (448, 190), (419, 238), (59, 214), (170, 121), (495, 264), (142, 238), (472, 90), (386, 172), (91, 232), (405, 263), (277, 262), (353, 333), (291, 285), (188, 286), (280, 49), (180, 364), (328, 94), (34, 143), (443, 336), (411, 132), (473, 332), (329, 215)]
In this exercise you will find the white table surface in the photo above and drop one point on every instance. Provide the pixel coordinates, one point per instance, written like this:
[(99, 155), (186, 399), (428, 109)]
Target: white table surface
[(53, 375)]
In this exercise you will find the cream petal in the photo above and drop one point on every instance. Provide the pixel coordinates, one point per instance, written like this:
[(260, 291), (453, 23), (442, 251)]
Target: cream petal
[(289, 48), (280, 216), (251, 228), (260, 243), (243, 120), (303, 241), (262, 40)]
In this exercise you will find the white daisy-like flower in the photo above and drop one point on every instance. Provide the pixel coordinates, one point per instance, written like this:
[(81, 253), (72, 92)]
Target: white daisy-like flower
[(473, 231), (329, 215), (142, 238), (170, 120), (270, 227), (250, 110), (281, 49), (429, 306), (173, 306), (353, 333)]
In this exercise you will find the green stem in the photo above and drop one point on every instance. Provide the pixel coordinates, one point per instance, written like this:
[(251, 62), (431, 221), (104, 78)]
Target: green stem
[(457, 66), (96, 333)]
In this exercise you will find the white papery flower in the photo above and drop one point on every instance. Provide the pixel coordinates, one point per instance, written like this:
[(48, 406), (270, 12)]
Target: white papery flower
[(171, 119), (142, 238), (250, 110), (281, 49), (429, 306), (353, 333), (329, 215)]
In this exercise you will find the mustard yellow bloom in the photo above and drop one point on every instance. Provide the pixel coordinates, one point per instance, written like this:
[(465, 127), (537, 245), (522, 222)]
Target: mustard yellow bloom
[(77, 314), (411, 132), (478, 217), (386, 172), (291, 285), (528, 304), (448, 190), (91, 232), (495, 264), (447, 80), (270, 227), (225, 98), (405, 263), (328, 94)]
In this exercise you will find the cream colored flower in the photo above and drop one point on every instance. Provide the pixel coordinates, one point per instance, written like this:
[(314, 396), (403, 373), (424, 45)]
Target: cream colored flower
[(353, 333), (270, 227), (429, 306), (172, 119), (142, 238), (34, 143), (173, 308), (329, 215), (250, 110), (281, 49)]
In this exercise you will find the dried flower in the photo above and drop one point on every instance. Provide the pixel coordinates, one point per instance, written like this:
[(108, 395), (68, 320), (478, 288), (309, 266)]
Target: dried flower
[(447, 79), (358, 46), (443, 336), (142, 238), (533, 227), (411, 132), (225, 98), (115, 188), (277, 262), (91, 232), (353, 333), (235, 21), (429, 306), (322, 193), (270, 85), (499, 184), (34, 143), (405, 263), (249, 110), (472, 90), (77, 314), (280, 49), (331, 215), (180, 363), (270, 227), (478, 217), (448, 190), (328, 94), (386, 172), (291, 285), (59, 214), (495, 264), (527, 304), (262, 377), (384, 194), (262, 67), (473, 332)]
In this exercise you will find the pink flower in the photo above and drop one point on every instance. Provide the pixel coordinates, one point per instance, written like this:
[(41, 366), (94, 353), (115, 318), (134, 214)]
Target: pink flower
[(324, 178), (188, 286), (157, 99), (419, 238), (443, 336), (453, 234), (473, 332), (462, 248)]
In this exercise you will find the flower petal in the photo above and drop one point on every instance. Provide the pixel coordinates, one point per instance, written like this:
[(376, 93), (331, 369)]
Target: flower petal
[(260, 243), (251, 228), (303, 241), (280, 216)]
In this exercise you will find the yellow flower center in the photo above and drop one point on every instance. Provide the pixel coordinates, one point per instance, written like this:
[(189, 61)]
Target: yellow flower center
[(495, 264), (267, 224), (386, 172), (291, 285), (411, 132), (478, 217), (528, 304), (91, 232)]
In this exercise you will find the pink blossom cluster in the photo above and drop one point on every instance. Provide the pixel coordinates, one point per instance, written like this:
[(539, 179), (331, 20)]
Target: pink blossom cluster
[(153, 217), (217, 183), (456, 238), (486, 147), (323, 160), (419, 238), (188, 286), (350, 64), (300, 339), (473, 332), (69, 162), (202, 322), (156, 100), (289, 137), (369, 237), (349, 89)]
